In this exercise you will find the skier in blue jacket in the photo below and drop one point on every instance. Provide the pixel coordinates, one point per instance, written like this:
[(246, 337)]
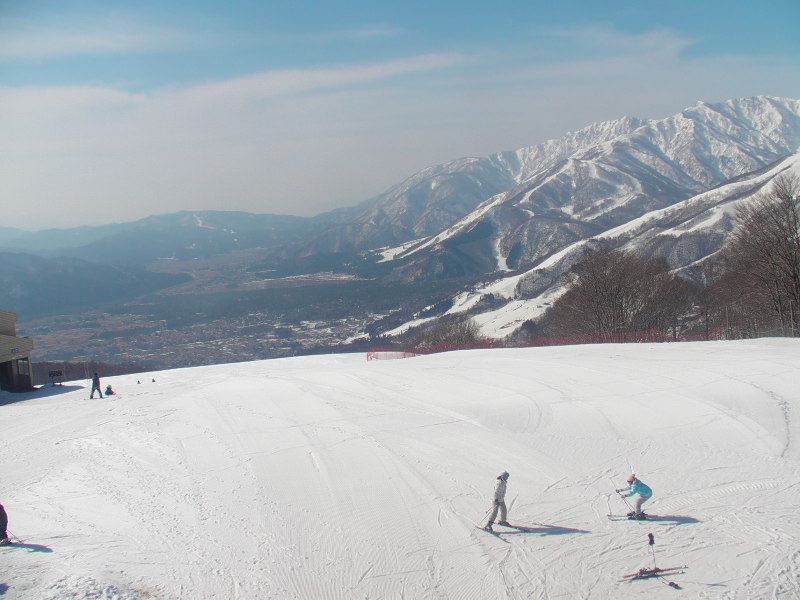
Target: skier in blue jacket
[(642, 492)]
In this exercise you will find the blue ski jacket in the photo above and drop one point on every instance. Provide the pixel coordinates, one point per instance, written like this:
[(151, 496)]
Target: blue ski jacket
[(637, 487)]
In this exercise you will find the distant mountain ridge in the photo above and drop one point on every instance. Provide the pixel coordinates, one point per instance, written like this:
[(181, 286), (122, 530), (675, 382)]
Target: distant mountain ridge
[(182, 235), (32, 285), (423, 204), (523, 204), (439, 196), (609, 182)]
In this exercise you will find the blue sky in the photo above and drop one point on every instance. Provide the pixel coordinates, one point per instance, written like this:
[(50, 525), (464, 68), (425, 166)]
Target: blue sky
[(112, 111)]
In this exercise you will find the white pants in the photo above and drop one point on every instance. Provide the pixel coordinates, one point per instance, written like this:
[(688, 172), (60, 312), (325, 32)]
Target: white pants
[(502, 507), (638, 501)]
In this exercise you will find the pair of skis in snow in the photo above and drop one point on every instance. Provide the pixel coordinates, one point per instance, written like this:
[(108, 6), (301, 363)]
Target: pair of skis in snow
[(628, 517), (656, 572), (501, 525), (497, 533)]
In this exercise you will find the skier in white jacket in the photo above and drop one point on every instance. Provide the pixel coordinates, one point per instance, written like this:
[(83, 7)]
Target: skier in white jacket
[(499, 501)]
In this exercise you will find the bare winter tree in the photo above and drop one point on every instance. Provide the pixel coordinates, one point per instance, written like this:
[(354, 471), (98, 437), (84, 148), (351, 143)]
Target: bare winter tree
[(459, 331), (614, 291), (763, 255), (739, 311)]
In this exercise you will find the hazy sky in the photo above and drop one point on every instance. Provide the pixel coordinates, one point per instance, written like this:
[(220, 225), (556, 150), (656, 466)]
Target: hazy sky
[(112, 111)]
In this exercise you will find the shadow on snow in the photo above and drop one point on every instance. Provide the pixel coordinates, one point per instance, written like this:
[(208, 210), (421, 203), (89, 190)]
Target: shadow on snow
[(676, 519), (40, 392), (542, 529), (31, 547)]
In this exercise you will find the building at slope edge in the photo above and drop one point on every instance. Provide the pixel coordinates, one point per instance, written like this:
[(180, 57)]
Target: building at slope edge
[(15, 355)]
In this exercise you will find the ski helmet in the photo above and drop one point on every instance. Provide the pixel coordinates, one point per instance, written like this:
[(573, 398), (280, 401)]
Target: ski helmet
[(504, 474), (631, 478)]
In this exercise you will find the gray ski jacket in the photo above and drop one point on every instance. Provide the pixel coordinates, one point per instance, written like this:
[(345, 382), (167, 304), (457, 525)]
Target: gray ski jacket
[(500, 490)]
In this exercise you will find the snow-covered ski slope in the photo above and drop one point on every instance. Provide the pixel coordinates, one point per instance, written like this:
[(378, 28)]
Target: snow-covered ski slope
[(335, 477)]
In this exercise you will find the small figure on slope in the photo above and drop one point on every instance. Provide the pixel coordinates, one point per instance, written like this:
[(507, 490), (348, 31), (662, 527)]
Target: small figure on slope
[(4, 541), (499, 501), (109, 390), (96, 386), (642, 492)]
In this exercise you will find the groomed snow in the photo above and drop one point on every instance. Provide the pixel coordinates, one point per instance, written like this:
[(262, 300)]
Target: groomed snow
[(335, 477)]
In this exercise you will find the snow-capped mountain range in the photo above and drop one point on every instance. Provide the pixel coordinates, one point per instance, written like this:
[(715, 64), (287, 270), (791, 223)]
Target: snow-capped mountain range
[(606, 175), (439, 196), (665, 188), (686, 234)]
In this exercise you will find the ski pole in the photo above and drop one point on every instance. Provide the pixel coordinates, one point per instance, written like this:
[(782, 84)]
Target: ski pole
[(11, 535), (652, 541), (625, 500), (480, 523)]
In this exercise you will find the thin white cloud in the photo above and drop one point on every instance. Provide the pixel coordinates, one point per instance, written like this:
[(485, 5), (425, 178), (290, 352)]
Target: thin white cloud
[(274, 107), (287, 82), (107, 35), (599, 41), (60, 118), (265, 85), (118, 34)]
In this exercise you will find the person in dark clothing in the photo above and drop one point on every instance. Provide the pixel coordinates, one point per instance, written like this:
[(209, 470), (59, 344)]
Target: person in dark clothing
[(96, 386), (109, 390), (4, 541)]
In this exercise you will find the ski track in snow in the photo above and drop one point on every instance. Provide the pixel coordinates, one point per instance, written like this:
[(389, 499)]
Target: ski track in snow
[(334, 477)]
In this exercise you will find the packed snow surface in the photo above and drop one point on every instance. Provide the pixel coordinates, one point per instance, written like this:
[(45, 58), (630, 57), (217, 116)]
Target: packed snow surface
[(338, 477)]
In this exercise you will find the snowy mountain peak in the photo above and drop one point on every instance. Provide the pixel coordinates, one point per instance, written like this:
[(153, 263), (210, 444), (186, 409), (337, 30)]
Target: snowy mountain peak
[(592, 183), (525, 162), (590, 179)]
